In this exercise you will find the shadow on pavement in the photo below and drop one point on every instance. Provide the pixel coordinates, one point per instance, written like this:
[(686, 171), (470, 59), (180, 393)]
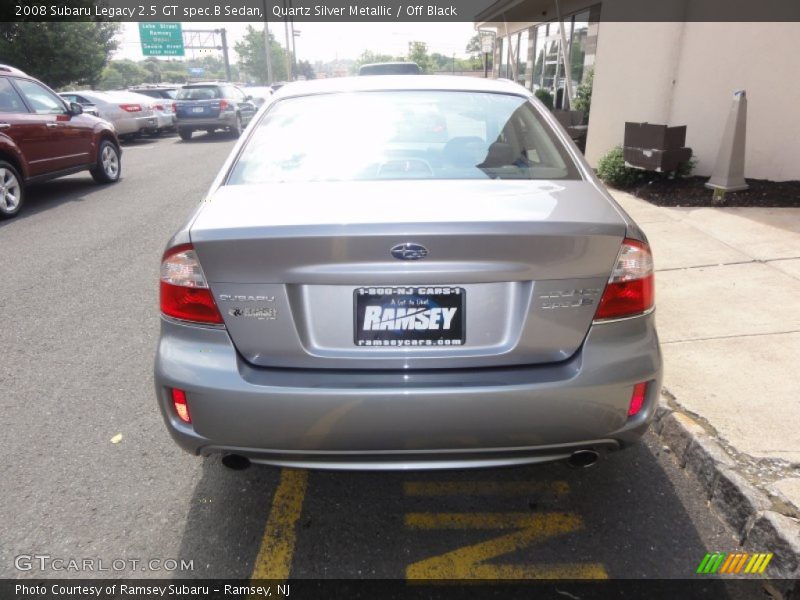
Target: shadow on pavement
[(626, 516), (51, 194)]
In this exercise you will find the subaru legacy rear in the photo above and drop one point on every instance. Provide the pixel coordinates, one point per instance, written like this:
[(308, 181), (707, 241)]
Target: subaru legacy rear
[(404, 273)]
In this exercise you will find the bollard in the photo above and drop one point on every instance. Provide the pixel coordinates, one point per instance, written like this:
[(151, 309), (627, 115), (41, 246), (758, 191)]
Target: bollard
[(728, 173)]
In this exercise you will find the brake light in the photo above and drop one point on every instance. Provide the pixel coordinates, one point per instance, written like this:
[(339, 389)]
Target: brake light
[(637, 398), (224, 105), (184, 290), (174, 107), (158, 106), (131, 107), (631, 288), (180, 405)]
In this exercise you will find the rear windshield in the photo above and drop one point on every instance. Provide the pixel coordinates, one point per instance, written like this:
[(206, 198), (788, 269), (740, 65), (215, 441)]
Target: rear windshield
[(402, 135), (206, 92)]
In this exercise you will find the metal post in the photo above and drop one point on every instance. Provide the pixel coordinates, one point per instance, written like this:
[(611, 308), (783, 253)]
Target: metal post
[(567, 67), (288, 51), (267, 46), (224, 40)]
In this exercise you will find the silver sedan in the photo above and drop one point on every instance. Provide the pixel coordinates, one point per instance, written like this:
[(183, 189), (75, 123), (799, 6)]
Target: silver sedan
[(407, 272)]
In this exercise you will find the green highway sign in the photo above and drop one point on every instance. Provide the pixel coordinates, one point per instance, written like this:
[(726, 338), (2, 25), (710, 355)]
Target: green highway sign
[(161, 39)]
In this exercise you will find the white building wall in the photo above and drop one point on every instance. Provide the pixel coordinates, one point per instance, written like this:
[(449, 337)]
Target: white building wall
[(685, 74)]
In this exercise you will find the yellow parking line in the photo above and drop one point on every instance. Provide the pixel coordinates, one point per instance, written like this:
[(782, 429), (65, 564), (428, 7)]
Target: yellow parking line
[(483, 488), (469, 562), (274, 558)]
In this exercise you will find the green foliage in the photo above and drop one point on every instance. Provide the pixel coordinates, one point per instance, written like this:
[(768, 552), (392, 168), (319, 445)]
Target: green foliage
[(612, 170), (122, 74), (545, 96), (59, 53), (253, 60), (583, 95), (685, 169), (305, 69), (418, 53), (368, 57)]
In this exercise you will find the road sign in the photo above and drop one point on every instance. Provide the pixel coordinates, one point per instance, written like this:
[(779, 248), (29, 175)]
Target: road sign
[(161, 39)]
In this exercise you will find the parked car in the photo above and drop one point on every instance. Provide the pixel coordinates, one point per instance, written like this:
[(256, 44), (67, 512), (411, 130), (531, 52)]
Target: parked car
[(259, 94), (162, 109), (43, 137), (88, 107), (390, 68), (129, 117), (356, 293), (164, 92), (212, 106)]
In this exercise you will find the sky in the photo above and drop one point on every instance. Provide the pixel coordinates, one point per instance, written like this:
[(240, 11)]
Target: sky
[(328, 41)]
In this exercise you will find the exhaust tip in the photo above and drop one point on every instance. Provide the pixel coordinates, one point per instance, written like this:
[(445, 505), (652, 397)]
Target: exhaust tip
[(235, 462), (583, 459)]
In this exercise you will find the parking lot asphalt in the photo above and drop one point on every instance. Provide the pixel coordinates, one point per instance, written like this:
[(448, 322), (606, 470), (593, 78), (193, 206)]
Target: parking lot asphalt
[(79, 274)]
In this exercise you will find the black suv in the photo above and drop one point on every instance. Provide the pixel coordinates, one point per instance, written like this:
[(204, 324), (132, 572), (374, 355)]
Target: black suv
[(212, 106)]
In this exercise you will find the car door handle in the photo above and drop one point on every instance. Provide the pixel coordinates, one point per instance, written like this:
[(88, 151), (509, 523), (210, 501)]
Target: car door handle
[(53, 124), (5, 125)]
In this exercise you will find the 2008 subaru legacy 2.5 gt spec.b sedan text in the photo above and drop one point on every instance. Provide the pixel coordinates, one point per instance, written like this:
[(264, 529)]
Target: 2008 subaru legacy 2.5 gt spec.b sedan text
[(407, 272)]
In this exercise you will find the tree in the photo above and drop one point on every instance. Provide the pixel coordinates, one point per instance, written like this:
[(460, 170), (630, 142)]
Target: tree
[(60, 52), (418, 53), (474, 46), (122, 74), (252, 59), (305, 69), (368, 57)]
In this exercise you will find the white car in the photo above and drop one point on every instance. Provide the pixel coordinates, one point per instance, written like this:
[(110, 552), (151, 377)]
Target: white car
[(129, 115), (164, 110)]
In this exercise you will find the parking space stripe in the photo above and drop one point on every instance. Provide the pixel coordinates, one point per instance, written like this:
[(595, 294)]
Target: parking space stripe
[(274, 559), (483, 488), (469, 562)]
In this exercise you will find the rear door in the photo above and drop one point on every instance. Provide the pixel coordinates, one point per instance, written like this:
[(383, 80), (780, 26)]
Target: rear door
[(27, 130), (67, 139), (246, 108)]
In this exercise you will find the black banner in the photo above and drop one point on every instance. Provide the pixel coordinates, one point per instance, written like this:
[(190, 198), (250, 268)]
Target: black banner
[(392, 10), (153, 589)]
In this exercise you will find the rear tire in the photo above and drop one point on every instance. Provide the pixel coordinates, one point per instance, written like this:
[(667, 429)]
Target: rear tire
[(186, 134), (109, 164), (236, 130), (12, 191)]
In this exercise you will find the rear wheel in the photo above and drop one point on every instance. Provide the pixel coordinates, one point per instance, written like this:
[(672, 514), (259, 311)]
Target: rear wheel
[(109, 166), (236, 130), (12, 192), (186, 134)]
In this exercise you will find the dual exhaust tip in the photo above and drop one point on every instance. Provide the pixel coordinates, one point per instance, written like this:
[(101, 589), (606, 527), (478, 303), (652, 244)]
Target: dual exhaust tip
[(581, 459)]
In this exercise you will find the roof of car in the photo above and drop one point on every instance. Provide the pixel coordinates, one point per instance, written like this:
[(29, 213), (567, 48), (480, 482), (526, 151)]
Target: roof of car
[(400, 82), (9, 70)]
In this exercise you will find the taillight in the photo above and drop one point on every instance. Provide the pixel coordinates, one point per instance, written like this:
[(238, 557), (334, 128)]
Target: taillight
[(184, 290), (637, 398), (174, 107), (131, 107), (180, 405), (630, 290), (158, 106), (224, 105)]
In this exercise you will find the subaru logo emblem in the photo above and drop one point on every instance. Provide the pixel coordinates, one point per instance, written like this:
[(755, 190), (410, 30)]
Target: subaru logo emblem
[(409, 251)]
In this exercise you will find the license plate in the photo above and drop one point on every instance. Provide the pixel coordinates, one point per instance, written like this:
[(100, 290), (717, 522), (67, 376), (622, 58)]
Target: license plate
[(409, 316), (198, 109)]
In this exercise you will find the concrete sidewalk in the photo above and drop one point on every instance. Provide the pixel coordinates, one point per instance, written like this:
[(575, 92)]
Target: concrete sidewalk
[(728, 314)]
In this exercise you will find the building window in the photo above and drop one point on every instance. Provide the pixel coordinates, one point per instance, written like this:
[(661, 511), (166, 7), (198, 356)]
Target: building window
[(580, 30)]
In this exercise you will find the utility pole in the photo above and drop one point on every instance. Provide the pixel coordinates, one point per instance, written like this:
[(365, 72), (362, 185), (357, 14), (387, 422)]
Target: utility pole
[(224, 41), (288, 50), (267, 46)]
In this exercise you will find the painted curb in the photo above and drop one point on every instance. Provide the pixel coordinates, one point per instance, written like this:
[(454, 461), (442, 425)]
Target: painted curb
[(740, 504)]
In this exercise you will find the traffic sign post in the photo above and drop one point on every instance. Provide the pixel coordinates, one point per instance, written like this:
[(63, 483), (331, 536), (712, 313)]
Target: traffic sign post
[(161, 39)]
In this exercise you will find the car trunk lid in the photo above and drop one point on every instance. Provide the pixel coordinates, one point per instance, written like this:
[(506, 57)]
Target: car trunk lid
[(287, 264)]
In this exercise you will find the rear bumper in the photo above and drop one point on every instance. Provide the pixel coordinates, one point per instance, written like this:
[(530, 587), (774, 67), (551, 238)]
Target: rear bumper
[(408, 419), (226, 119)]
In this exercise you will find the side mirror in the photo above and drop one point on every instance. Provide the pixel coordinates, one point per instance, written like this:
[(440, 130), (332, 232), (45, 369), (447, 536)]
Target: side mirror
[(75, 109)]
